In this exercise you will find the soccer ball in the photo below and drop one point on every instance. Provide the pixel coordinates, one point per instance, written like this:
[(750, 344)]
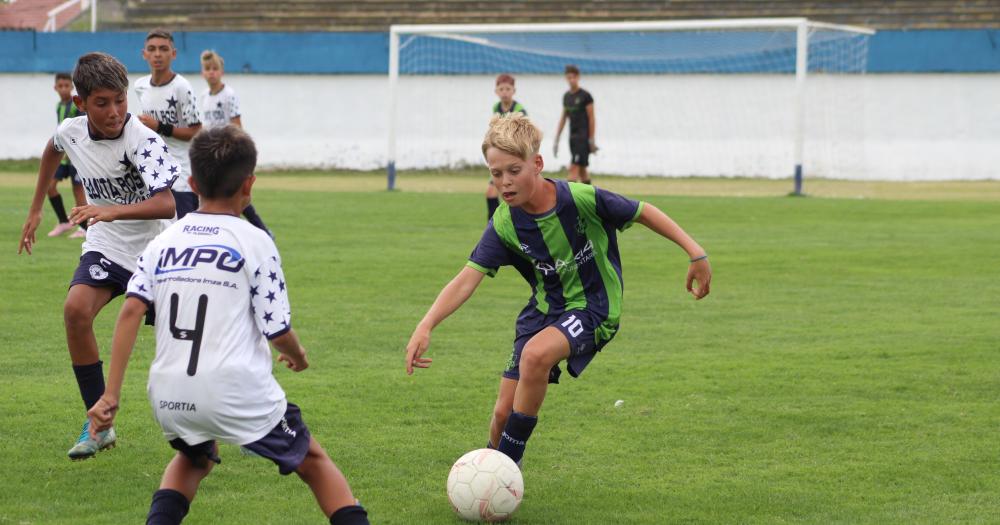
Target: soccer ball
[(485, 485)]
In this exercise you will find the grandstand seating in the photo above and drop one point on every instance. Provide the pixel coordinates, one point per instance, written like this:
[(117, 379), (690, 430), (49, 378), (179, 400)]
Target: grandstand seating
[(377, 15), (33, 14)]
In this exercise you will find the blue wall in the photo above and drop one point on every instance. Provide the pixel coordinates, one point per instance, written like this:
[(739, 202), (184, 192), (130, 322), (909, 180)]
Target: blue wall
[(924, 51)]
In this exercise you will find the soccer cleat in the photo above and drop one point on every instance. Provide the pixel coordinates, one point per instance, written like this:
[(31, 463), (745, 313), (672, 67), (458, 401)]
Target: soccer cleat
[(80, 233), (60, 229), (87, 447)]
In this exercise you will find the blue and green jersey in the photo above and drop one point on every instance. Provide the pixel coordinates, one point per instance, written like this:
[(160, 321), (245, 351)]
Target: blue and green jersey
[(516, 107), (63, 112), (568, 255)]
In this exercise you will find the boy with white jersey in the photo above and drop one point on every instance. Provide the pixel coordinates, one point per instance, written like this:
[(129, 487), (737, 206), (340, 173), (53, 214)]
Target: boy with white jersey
[(115, 157), (220, 106), (170, 109), (220, 296)]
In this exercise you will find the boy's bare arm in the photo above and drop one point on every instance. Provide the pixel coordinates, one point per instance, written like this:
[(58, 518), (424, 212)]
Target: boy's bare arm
[(292, 353), (700, 270), (102, 414), (50, 161), (175, 132), (186, 133), (562, 124), (591, 127), (159, 206), (237, 121), (452, 296)]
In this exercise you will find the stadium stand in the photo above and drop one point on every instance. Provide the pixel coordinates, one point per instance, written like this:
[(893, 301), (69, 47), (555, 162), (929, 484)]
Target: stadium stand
[(377, 15), (33, 14)]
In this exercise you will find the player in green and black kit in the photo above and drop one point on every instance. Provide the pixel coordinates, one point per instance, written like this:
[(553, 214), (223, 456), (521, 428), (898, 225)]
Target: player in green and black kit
[(505, 106), (578, 107), (65, 109), (561, 237)]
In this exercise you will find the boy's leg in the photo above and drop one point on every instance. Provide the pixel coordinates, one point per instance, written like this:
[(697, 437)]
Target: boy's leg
[(180, 482), (327, 483), (574, 173), (55, 199), (251, 214), (584, 176), (540, 354), (502, 409), (492, 200)]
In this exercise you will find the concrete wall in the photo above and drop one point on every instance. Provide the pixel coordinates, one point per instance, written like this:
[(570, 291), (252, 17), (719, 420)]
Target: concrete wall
[(875, 127)]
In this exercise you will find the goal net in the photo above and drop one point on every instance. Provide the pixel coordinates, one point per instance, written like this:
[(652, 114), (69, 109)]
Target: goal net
[(754, 97)]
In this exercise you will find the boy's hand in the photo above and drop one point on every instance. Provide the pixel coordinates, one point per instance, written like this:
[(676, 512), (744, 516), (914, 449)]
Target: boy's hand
[(297, 363), (102, 414), (419, 341), (593, 146), (91, 214), (701, 272), (28, 232), (149, 121)]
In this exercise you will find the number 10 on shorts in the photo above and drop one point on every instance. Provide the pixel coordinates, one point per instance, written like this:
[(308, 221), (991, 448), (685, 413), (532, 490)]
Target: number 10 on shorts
[(573, 325)]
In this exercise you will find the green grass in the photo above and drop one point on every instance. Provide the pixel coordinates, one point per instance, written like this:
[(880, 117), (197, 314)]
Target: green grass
[(843, 370)]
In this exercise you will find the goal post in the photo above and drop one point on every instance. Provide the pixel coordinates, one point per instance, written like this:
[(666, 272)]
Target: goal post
[(723, 104)]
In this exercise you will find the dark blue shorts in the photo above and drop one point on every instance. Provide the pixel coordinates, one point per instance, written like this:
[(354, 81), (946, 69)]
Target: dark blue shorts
[(67, 171), (97, 271), (185, 202), (579, 149), (580, 327), (287, 443)]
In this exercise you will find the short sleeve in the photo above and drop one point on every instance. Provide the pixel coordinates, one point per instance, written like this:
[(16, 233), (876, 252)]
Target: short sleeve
[(588, 99), (269, 296), (232, 106), (140, 285), (490, 254), (56, 138), (189, 108), (620, 211), (154, 163)]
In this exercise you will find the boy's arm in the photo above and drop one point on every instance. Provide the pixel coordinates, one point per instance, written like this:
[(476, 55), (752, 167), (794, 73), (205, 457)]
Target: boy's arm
[(236, 121), (591, 127), (186, 133), (452, 296), (159, 206), (699, 270), (102, 414), (292, 353), (562, 124), (51, 157)]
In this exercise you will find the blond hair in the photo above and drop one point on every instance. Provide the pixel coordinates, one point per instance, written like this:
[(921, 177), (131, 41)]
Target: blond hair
[(513, 133), (209, 56)]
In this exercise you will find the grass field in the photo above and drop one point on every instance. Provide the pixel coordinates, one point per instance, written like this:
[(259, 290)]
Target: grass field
[(844, 369)]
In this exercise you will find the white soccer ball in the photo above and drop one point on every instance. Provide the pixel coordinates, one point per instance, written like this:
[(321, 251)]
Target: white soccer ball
[(485, 485)]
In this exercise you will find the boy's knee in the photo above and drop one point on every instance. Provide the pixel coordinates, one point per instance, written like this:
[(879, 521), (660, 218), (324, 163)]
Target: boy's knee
[(533, 362), (77, 315)]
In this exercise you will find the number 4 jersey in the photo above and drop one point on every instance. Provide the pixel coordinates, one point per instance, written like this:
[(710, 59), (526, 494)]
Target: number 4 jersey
[(216, 284)]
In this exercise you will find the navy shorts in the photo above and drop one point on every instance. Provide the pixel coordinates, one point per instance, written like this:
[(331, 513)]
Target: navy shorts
[(67, 171), (97, 271), (579, 149), (287, 443), (581, 328), (185, 202)]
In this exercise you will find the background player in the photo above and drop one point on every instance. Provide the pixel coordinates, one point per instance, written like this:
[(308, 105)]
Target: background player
[(220, 295), (116, 157), (505, 106), (170, 109), (220, 106), (560, 236), (578, 107), (65, 109)]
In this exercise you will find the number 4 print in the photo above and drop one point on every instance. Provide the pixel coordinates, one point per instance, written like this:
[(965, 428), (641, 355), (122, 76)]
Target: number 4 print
[(573, 325), (188, 334)]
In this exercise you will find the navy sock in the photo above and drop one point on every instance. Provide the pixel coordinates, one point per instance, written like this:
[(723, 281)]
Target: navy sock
[(515, 434), (57, 206), (90, 379), (491, 206), (251, 214), (349, 515), (168, 508)]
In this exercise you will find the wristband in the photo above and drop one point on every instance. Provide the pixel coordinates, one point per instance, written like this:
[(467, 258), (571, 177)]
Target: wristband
[(165, 129), (696, 259)]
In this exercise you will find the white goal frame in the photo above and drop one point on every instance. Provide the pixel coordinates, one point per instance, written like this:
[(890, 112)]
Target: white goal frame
[(802, 26)]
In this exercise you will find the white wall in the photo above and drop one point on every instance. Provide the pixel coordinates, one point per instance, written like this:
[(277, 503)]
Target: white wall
[(876, 127)]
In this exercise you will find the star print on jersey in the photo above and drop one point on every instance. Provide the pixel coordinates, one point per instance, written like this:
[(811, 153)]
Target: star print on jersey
[(172, 101), (146, 153), (269, 298)]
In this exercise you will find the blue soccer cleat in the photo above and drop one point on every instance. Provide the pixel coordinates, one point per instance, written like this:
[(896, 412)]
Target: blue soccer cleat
[(87, 447)]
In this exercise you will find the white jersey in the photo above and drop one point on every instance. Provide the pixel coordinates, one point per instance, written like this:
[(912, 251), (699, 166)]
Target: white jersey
[(172, 103), (219, 109), (124, 170), (219, 294)]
